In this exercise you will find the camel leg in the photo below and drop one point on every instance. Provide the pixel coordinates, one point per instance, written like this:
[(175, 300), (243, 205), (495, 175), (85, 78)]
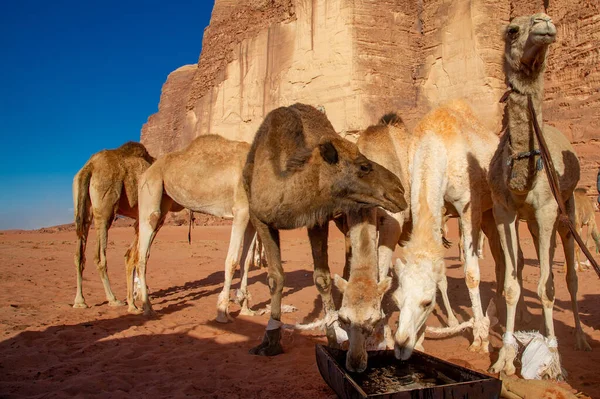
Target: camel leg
[(322, 277), (470, 225), (80, 259), (461, 255), (103, 223), (240, 222), (153, 208), (443, 287), (342, 225), (546, 218), (578, 265), (250, 242), (506, 222), (481, 245), (571, 277), (132, 258), (271, 344), (390, 228)]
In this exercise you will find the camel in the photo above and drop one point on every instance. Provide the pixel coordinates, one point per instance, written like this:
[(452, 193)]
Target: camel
[(585, 216), (299, 173), (449, 152), (361, 311), (205, 177), (520, 190), (105, 187)]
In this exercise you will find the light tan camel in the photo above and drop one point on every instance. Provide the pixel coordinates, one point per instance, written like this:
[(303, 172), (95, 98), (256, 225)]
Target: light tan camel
[(106, 186), (585, 215), (449, 152), (361, 310), (301, 173), (521, 190), (205, 177)]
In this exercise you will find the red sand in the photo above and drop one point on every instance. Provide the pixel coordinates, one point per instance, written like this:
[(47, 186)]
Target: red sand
[(49, 349)]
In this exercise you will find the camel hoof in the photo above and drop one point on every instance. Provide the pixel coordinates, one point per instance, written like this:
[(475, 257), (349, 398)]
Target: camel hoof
[(116, 303), (80, 305), (247, 312), (582, 344), (270, 346), (223, 317), (505, 361), (150, 313), (134, 310)]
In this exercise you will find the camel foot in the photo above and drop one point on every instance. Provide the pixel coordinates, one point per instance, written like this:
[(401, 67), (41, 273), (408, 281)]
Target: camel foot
[(246, 311), (223, 317), (134, 310), (480, 347), (505, 361), (150, 313), (581, 344), (80, 305), (270, 345), (115, 303)]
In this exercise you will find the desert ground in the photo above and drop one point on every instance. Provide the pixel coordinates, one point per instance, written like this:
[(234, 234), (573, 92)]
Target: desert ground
[(49, 349)]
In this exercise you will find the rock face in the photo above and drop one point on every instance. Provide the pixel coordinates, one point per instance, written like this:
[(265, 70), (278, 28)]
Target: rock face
[(361, 59)]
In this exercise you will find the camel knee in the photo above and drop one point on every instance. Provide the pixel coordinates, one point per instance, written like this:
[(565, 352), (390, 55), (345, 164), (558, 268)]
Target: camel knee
[(546, 295), (154, 219), (472, 279), (323, 283), (512, 292), (275, 283)]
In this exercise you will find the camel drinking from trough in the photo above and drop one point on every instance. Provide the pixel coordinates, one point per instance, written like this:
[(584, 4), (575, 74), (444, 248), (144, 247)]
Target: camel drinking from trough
[(521, 190), (299, 173)]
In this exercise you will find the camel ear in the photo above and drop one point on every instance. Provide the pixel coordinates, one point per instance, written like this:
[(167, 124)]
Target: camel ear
[(384, 285), (340, 283), (328, 152)]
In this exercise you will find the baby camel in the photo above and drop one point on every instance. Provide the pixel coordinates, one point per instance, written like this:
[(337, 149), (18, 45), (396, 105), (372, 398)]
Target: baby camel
[(299, 172), (106, 186), (521, 190), (205, 177)]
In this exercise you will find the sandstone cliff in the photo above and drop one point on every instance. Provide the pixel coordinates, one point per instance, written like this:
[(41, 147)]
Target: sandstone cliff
[(360, 59)]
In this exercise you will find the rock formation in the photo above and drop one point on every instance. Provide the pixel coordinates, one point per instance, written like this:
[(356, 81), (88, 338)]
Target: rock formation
[(360, 59)]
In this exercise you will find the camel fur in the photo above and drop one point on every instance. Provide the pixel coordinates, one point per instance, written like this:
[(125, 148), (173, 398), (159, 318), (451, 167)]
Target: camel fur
[(299, 172), (521, 191), (105, 187)]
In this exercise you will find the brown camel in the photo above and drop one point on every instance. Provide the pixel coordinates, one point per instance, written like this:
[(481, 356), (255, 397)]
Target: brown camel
[(520, 190), (299, 172), (205, 177), (585, 216), (106, 186)]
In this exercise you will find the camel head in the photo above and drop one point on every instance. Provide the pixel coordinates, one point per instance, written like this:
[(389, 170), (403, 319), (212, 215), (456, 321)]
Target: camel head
[(527, 41), (354, 181), (360, 314), (418, 277)]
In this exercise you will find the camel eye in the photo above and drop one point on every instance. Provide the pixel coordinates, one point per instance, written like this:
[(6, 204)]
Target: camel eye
[(365, 167), (425, 304), (513, 29)]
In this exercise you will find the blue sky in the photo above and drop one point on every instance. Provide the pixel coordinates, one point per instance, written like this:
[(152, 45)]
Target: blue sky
[(78, 77)]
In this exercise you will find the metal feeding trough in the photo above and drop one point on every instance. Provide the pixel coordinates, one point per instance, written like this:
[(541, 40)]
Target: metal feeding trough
[(421, 376)]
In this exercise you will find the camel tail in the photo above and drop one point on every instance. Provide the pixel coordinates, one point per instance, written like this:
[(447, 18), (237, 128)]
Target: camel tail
[(81, 196)]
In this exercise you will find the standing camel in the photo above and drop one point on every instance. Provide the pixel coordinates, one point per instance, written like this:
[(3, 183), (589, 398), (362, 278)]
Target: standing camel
[(299, 173), (521, 190), (585, 216), (106, 186), (205, 177)]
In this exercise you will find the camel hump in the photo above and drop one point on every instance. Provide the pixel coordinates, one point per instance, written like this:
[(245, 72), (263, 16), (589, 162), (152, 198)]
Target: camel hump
[(135, 149), (391, 119)]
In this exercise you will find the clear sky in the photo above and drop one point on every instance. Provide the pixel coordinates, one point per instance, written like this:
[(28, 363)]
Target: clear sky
[(77, 77)]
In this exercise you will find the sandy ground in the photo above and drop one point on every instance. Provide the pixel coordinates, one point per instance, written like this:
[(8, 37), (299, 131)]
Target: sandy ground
[(49, 349)]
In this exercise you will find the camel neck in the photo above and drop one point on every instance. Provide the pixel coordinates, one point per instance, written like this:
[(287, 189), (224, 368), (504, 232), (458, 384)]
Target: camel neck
[(524, 147)]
